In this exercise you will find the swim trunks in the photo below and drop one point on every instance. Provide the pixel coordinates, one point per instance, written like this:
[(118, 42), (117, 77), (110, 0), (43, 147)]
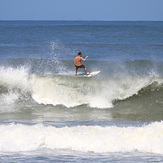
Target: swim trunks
[(82, 66)]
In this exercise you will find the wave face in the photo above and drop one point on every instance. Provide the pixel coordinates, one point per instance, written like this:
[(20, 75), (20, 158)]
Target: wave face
[(70, 91), (96, 139), (99, 93), (138, 95)]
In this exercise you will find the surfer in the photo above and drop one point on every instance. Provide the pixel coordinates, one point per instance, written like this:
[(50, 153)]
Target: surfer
[(77, 62)]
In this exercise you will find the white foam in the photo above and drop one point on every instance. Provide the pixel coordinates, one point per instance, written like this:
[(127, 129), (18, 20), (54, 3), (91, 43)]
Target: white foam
[(17, 137), (14, 77), (100, 94), (7, 102), (14, 82)]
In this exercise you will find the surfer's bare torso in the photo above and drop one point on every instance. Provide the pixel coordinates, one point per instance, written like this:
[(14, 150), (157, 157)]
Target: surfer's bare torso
[(77, 61)]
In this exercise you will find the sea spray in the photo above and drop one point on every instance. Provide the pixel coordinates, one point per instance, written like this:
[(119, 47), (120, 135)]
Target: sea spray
[(14, 84), (14, 77)]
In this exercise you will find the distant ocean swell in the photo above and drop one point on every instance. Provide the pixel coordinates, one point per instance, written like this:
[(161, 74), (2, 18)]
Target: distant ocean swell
[(16, 84), (20, 137)]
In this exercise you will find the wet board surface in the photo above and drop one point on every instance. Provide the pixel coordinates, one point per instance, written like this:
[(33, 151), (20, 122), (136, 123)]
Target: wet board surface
[(92, 74)]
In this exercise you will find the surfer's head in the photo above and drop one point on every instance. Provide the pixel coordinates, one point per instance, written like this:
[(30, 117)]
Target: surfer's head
[(80, 53)]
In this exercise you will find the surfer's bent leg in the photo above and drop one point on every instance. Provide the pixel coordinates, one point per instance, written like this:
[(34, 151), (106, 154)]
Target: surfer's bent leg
[(85, 70), (76, 69), (82, 66)]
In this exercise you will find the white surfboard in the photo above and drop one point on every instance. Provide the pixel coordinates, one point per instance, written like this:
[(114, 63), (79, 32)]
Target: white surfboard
[(92, 74)]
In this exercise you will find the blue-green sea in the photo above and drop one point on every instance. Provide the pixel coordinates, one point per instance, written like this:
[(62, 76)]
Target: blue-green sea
[(47, 114)]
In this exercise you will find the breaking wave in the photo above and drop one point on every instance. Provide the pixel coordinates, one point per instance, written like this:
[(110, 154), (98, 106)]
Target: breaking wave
[(20, 137), (71, 91)]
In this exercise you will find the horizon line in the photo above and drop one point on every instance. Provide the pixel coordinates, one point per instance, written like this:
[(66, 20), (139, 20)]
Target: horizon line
[(81, 20)]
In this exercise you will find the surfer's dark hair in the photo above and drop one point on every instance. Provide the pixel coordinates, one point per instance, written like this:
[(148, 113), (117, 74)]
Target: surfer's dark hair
[(79, 53)]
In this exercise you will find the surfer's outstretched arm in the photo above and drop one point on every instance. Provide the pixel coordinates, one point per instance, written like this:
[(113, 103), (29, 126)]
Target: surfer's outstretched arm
[(84, 59)]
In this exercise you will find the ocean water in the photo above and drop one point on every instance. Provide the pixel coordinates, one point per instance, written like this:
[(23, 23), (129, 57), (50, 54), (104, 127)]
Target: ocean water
[(47, 114)]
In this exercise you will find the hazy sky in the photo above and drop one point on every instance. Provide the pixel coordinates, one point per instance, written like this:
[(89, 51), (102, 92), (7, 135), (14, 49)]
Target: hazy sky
[(81, 10)]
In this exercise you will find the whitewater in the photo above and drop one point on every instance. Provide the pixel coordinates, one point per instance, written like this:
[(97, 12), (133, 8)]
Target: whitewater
[(62, 89), (82, 138)]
